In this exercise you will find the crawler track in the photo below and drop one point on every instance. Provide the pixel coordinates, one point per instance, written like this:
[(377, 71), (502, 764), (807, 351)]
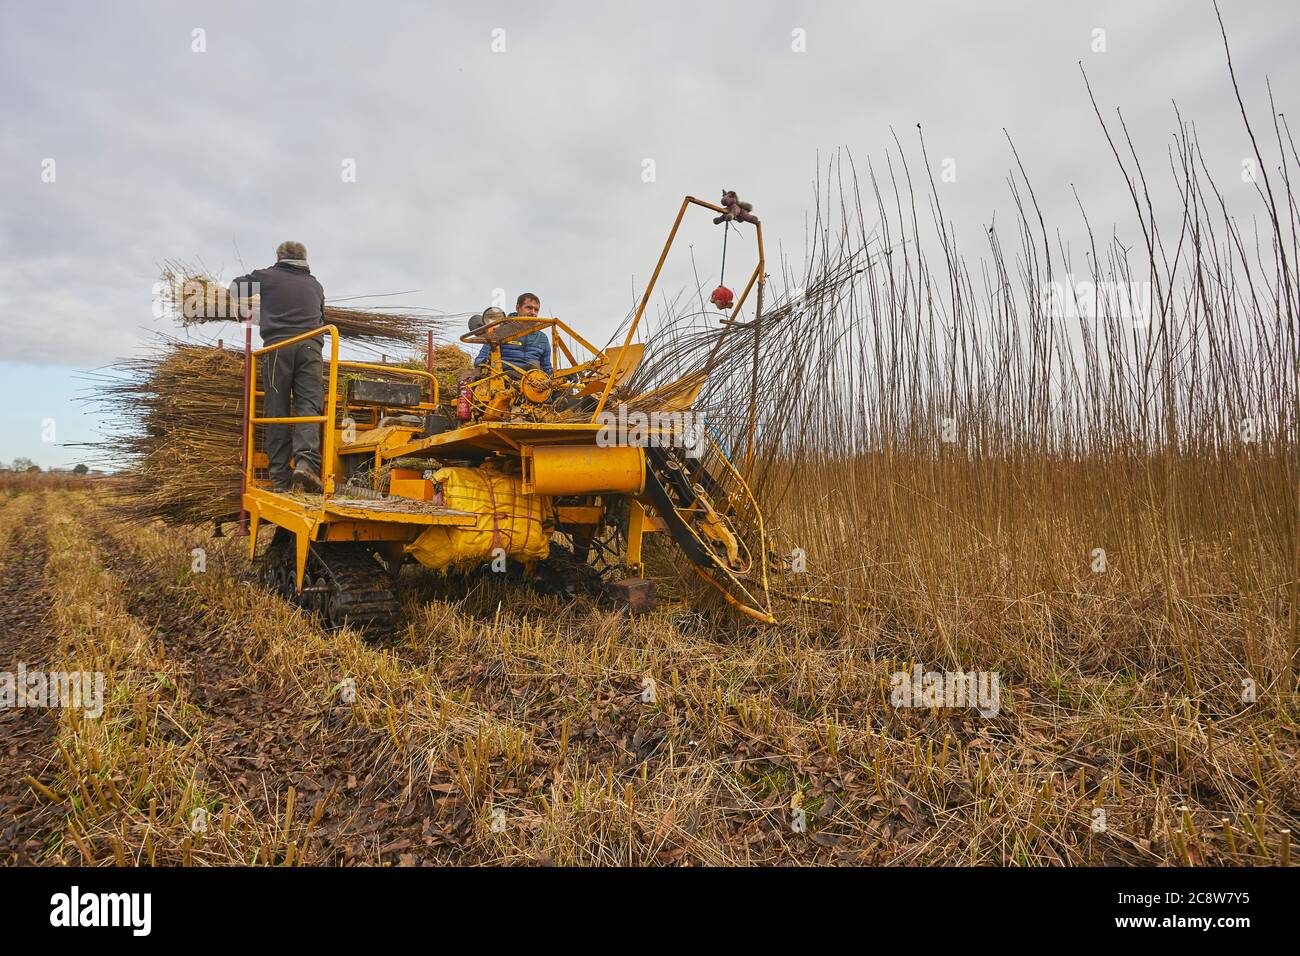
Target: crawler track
[(343, 584)]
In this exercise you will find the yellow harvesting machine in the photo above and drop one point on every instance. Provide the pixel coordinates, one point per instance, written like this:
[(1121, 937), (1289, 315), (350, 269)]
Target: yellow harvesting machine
[(555, 479)]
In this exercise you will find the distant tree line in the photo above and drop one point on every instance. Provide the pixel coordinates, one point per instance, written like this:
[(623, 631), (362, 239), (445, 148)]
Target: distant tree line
[(27, 466)]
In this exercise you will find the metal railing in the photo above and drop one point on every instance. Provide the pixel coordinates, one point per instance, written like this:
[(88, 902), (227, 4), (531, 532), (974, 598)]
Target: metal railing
[(526, 326), (757, 276), (331, 402)]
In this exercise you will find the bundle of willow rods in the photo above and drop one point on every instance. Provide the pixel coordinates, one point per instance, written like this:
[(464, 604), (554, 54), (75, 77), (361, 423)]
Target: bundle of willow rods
[(195, 298), (798, 342), (174, 430)]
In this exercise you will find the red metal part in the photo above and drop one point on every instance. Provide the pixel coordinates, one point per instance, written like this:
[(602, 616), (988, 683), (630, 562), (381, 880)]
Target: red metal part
[(428, 361), (243, 471)]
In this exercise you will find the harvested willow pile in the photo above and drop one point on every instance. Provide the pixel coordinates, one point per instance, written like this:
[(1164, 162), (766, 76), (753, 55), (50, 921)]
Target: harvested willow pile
[(194, 298), (449, 363), (176, 426), (174, 416)]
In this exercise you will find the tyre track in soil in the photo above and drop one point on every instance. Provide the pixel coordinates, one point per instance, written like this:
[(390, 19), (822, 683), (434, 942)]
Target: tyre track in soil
[(613, 732), (257, 741), (27, 734)]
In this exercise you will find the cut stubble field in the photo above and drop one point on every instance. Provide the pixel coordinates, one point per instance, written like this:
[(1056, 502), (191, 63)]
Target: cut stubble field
[(505, 728)]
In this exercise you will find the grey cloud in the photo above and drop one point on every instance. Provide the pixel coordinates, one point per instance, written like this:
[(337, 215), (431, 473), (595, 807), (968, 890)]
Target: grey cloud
[(523, 170)]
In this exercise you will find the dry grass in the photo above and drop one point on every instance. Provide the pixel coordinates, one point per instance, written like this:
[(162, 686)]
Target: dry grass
[(450, 363), (16, 481), (537, 711)]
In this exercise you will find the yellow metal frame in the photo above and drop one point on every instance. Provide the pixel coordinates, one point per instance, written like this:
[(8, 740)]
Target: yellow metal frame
[(328, 520), (331, 406), (333, 521), (537, 324), (331, 400), (581, 469), (760, 613), (503, 437), (758, 276)]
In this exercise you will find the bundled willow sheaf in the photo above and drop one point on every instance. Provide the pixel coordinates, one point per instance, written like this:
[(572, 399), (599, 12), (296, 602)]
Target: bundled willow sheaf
[(175, 430), (194, 298)]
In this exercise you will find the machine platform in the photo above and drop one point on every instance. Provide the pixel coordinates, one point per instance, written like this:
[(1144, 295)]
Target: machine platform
[(487, 437)]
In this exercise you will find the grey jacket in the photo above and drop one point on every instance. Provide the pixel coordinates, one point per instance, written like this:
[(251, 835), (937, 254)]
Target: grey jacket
[(292, 301)]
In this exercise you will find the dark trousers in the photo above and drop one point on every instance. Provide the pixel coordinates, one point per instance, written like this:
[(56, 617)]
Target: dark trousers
[(291, 377)]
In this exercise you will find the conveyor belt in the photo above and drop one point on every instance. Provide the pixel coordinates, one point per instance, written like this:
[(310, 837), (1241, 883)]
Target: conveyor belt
[(693, 504)]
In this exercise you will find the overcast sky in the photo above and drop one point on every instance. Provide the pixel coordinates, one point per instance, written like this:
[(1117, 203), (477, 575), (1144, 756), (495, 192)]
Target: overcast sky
[(211, 131)]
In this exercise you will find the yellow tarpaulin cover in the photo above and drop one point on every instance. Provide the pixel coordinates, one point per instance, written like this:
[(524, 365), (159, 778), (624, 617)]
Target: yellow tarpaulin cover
[(507, 518)]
